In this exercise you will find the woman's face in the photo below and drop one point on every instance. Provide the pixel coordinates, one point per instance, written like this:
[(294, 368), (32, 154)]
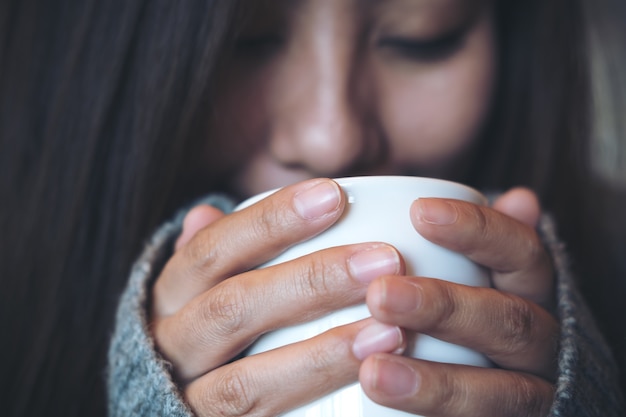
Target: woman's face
[(350, 87)]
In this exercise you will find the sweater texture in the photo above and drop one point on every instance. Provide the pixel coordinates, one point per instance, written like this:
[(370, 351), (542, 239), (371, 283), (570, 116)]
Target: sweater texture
[(140, 381)]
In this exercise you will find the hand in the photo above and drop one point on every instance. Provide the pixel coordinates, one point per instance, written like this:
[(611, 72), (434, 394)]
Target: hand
[(509, 323), (209, 304)]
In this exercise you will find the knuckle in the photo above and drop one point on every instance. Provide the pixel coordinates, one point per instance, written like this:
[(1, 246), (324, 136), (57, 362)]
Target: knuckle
[(200, 251), (271, 222), (265, 223), (529, 397), (450, 396), (480, 217), (234, 397), (316, 277), (320, 364), (533, 252), (483, 225), (480, 229), (204, 254), (320, 356), (230, 395), (517, 324), (480, 220), (225, 310), (323, 359), (446, 311)]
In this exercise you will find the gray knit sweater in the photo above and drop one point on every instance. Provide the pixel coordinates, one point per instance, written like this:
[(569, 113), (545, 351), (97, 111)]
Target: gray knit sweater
[(140, 382)]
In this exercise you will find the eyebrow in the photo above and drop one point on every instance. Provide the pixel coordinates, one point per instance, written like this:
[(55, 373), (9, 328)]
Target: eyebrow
[(425, 15)]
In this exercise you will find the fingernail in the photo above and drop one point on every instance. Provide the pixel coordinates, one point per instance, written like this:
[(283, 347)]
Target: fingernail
[(435, 211), (401, 297), (394, 378), (370, 263), (375, 338), (317, 201)]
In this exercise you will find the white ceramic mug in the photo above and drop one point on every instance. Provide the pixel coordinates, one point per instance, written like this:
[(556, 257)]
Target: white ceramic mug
[(378, 210)]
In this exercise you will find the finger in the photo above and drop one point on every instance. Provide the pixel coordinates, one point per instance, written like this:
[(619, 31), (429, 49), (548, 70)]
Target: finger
[(511, 331), (197, 219), (270, 383), (245, 239), (436, 389), (521, 204), (223, 321), (510, 248)]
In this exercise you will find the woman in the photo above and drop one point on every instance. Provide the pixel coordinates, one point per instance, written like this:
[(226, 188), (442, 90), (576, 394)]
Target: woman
[(115, 190)]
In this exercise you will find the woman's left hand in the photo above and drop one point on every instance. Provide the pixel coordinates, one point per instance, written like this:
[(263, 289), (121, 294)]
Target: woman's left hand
[(510, 323)]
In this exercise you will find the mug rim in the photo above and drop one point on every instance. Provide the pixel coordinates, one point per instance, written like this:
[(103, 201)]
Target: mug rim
[(377, 179)]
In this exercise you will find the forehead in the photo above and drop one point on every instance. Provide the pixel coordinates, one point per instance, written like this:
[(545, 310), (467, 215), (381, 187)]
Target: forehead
[(420, 13)]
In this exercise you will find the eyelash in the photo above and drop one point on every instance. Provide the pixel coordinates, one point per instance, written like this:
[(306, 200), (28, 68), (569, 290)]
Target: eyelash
[(418, 50), (423, 50)]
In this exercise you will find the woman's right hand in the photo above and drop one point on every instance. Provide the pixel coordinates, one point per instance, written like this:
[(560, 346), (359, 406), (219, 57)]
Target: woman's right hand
[(209, 304)]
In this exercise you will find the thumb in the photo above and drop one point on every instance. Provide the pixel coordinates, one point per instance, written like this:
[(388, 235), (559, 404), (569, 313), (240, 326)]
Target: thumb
[(521, 204), (197, 219)]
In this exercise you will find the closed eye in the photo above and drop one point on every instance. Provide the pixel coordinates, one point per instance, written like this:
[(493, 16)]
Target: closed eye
[(423, 50)]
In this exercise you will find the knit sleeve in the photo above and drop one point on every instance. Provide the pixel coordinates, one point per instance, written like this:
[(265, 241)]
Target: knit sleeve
[(139, 379), (587, 382), (140, 383)]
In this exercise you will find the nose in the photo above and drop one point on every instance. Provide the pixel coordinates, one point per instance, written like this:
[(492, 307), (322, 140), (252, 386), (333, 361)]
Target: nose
[(319, 118)]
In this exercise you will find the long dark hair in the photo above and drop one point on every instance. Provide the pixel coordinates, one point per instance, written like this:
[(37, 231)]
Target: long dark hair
[(542, 133), (98, 100)]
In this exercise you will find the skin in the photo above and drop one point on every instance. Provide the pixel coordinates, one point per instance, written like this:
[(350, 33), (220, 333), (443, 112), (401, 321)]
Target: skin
[(334, 97)]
